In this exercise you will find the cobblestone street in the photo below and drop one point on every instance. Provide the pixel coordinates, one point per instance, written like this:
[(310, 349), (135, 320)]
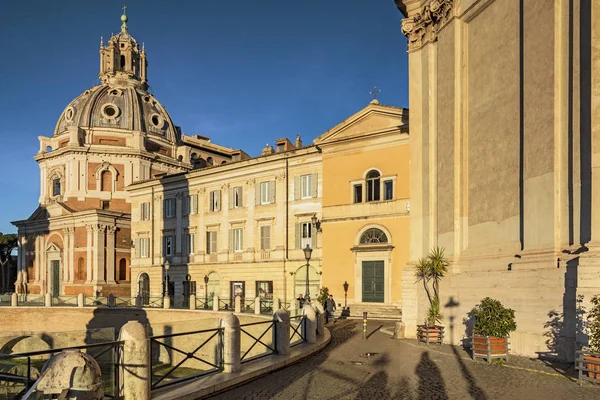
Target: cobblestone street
[(403, 369)]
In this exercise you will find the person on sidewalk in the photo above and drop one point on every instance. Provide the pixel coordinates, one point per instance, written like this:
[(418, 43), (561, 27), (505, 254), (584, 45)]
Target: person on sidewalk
[(329, 307), (300, 301)]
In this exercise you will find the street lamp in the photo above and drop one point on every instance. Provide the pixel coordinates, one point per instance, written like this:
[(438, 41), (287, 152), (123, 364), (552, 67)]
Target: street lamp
[(307, 253), (316, 223), (205, 291), (166, 279), (345, 294)]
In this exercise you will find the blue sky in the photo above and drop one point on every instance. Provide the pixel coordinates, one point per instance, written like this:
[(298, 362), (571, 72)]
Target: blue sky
[(243, 73)]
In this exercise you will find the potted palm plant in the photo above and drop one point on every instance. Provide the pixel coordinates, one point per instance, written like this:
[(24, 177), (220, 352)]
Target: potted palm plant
[(432, 269), (592, 351), (493, 324)]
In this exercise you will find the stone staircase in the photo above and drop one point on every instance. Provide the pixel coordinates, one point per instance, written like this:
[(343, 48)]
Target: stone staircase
[(375, 311)]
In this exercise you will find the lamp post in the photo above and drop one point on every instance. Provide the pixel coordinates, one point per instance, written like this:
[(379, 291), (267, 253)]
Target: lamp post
[(345, 294), (205, 291), (166, 279), (307, 254)]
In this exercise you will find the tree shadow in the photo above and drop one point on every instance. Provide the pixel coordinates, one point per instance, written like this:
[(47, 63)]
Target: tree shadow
[(431, 383)]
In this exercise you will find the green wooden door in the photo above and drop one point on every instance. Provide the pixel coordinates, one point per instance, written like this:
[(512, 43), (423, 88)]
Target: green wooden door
[(55, 266), (372, 282)]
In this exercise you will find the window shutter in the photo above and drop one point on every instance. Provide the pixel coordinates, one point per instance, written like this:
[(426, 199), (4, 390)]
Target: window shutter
[(315, 185), (298, 236), (240, 190), (218, 193), (272, 192), (257, 194), (138, 252), (208, 243), (242, 239), (297, 188), (164, 213), (195, 204), (164, 245), (184, 244), (231, 198), (192, 244), (231, 248)]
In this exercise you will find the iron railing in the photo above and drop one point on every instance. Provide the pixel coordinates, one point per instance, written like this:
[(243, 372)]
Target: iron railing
[(204, 304), (225, 305), (120, 301), (266, 306), (64, 301), (95, 301), (269, 349), (108, 355), (160, 380), (152, 302), (32, 300), (248, 306), (297, 330)]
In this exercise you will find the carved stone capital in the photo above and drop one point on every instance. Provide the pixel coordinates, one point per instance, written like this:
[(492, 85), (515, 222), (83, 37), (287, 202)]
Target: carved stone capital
[(68, 230), (111, 229), (422, 27), (251, 181)]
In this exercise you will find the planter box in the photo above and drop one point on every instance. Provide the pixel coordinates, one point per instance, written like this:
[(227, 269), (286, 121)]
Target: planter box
[(489, 347), (430, 334), (588, 365)]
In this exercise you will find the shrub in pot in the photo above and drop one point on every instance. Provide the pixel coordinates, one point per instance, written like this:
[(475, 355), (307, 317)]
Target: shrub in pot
[(593, 347), (432, 270), (493, 324)]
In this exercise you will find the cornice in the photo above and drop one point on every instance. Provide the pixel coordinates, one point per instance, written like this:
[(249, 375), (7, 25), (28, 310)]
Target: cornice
[(423, 27)]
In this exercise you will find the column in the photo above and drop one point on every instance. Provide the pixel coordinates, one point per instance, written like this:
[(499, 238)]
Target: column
[(72, 255), (99, 247), (39, 249), (110, 254), (89, 243), (19, 263)]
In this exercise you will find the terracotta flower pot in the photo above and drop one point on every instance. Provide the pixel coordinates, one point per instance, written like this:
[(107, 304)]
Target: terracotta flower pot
[(594, 367)]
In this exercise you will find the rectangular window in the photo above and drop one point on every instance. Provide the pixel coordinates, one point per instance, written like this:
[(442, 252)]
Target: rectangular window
[(211, 242), (215, 200), (388, 190), (143, 246), (56, 187), (265, 192), (238, 237), (265, 238), (358, 193), (306, 234), (190, 204), (169, 208), (189, 243), (236, 197), (306, 186), (168, 245), (264, 289), (145, 211), (373, 190)]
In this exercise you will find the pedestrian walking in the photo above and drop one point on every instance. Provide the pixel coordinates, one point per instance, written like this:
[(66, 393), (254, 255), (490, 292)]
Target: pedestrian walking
[(300, 301), (329, 307)]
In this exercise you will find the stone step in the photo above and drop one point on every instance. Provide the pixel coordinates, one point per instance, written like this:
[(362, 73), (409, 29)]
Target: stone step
[(384, 311)]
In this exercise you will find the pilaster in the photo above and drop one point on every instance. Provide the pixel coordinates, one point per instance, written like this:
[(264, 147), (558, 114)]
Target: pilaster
[(99, 247), (110, 254), (89, 255)]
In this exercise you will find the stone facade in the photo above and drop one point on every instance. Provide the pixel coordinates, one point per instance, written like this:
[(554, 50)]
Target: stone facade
[(504, 118)]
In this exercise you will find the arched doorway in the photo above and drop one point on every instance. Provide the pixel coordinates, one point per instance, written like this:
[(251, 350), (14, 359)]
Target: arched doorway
[(144, 288), (373, 255), (314, 282)]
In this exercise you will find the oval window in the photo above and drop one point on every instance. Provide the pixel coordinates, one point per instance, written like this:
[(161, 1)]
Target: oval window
[(69, 114), (110, 111), (157, 121)]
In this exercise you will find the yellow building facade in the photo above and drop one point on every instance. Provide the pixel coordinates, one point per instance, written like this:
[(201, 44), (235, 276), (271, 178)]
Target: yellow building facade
[(242, 227)]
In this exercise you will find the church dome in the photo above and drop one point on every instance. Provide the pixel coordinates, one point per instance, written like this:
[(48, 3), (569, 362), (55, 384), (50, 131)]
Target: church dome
[(129, 108)]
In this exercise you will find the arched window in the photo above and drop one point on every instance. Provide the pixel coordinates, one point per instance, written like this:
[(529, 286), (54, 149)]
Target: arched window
[(81, 273), (373, 236), (106, 181), (144, 288), (373, 186), (209, 161), (122, 270)]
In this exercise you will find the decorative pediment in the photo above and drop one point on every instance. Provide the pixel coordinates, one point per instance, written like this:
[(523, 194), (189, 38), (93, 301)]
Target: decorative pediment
[(53, 247), (39, 214), (371, 119)]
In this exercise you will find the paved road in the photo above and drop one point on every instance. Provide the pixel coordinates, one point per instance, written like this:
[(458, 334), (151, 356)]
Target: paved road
[(405, 370)]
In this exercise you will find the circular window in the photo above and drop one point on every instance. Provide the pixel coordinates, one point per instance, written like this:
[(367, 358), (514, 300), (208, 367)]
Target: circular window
[(110, 111), (157, 120), (69, 114), (115, 92)]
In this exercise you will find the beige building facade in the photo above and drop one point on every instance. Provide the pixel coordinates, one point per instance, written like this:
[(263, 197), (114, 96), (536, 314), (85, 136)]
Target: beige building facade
[(505, 126)]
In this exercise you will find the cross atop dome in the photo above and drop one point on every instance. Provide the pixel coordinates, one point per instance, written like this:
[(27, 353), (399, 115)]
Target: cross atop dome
[(124, 20)]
